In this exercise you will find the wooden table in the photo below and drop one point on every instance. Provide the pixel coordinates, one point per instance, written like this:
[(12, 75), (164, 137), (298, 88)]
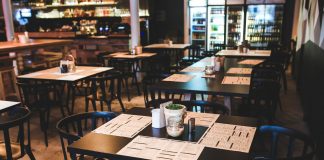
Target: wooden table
[(106, 146), (210, 86), (53, 74), (166, 46), (7, 105), (249, 54), (126, 55)]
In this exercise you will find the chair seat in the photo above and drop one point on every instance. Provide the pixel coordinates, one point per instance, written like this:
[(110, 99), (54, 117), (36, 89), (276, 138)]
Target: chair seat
[(195, 59), (15, 149)]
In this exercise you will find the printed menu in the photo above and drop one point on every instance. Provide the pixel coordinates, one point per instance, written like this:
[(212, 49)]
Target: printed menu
[(236, 80), (240, 71), (125, 125), (179, 78), (161, 149), (228, 137), (202, 119), (251, 61)]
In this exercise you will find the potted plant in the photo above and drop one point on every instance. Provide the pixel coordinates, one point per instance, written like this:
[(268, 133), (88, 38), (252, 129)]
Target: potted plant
[(174, 116)]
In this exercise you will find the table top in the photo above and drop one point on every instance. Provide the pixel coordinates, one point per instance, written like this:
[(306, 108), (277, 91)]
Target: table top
[(198, 84), (54, 74), (34, 43), (167, 46), (5, 105), (126, 55), (108, 145), (249, 54)]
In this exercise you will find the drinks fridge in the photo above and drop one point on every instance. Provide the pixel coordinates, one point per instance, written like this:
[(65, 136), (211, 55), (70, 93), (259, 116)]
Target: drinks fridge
[(235, 25), (216, 27), (264, 23), (198, 26)]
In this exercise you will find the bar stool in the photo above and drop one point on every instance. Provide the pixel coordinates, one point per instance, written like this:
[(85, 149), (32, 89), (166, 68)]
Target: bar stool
[(17, 117)]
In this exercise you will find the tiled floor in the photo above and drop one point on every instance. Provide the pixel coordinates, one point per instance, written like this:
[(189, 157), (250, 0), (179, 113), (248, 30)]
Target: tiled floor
[(291, 116)]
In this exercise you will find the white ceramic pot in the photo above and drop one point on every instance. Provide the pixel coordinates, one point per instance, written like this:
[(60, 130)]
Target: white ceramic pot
[(176, 113)]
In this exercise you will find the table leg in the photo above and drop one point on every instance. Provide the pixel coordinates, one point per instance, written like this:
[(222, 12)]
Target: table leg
[(228, 103)]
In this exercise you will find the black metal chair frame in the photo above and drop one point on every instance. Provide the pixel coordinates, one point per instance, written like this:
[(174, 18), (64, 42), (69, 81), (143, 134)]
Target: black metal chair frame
[(17, 120), (293, 135), (64, 130), (100, 83)]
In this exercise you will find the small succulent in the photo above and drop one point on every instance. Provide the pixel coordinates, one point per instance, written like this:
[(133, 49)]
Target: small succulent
[(174, 106)]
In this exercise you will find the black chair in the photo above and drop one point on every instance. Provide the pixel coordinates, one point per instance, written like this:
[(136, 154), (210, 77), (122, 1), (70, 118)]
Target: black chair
[(263, 95), (194, 55), (66, 126), (293, 137), (209, 53), (204, 106), (128, 70), (98, 90), (281, 57), (16, 117), (37, 97)]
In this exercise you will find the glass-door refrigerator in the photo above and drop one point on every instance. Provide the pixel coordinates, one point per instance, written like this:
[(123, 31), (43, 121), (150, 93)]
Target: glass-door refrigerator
[(264, 23), (198, 26), (272, 24), (198, 22), (255, 25), (234, 25), (216, 27)]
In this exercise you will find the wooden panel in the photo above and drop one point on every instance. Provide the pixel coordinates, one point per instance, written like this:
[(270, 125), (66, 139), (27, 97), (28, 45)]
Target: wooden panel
[(8, 83)]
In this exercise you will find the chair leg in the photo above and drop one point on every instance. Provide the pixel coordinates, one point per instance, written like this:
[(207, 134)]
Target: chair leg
[(127, 89), (94, 104), (136, 83), (29, 153), (284, 80), (121, 103), (42, 119), (101, 105)]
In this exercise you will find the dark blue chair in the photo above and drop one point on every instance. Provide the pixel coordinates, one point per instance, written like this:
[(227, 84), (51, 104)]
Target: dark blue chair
[(292, 136), (71, 128)]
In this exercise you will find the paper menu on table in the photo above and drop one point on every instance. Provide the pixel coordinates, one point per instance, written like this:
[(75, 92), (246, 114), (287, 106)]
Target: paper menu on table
[(202, 119), (251, 61), (236, 80), (179, 78), (125, 125), (228, 137), (193, 69), (161, 149), (240, 71)]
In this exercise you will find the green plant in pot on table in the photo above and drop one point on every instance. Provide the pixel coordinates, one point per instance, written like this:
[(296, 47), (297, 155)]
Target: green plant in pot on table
[(174, 116)]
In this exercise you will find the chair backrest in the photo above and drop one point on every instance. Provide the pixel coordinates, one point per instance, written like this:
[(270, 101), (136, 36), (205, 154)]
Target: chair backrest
[(34, 92), (15, 117), (194, 52), (293, 136), (269, 71), (214, 106), (100, 82), (68, 132)]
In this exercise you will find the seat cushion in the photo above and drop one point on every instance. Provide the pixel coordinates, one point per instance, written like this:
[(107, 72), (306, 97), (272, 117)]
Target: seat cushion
[(15, 149)]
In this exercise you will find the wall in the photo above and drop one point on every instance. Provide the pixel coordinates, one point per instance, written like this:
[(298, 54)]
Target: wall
[(310, 67), (166, 20)]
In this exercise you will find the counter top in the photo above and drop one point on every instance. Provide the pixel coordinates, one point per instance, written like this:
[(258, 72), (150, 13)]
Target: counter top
[(72, 35), (13, 46)]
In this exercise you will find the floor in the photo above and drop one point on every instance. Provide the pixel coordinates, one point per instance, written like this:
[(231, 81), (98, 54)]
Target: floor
[(291, 116)]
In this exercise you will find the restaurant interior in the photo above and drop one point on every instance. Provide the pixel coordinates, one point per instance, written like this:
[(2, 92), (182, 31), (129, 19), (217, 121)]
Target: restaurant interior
[(161, 79)]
